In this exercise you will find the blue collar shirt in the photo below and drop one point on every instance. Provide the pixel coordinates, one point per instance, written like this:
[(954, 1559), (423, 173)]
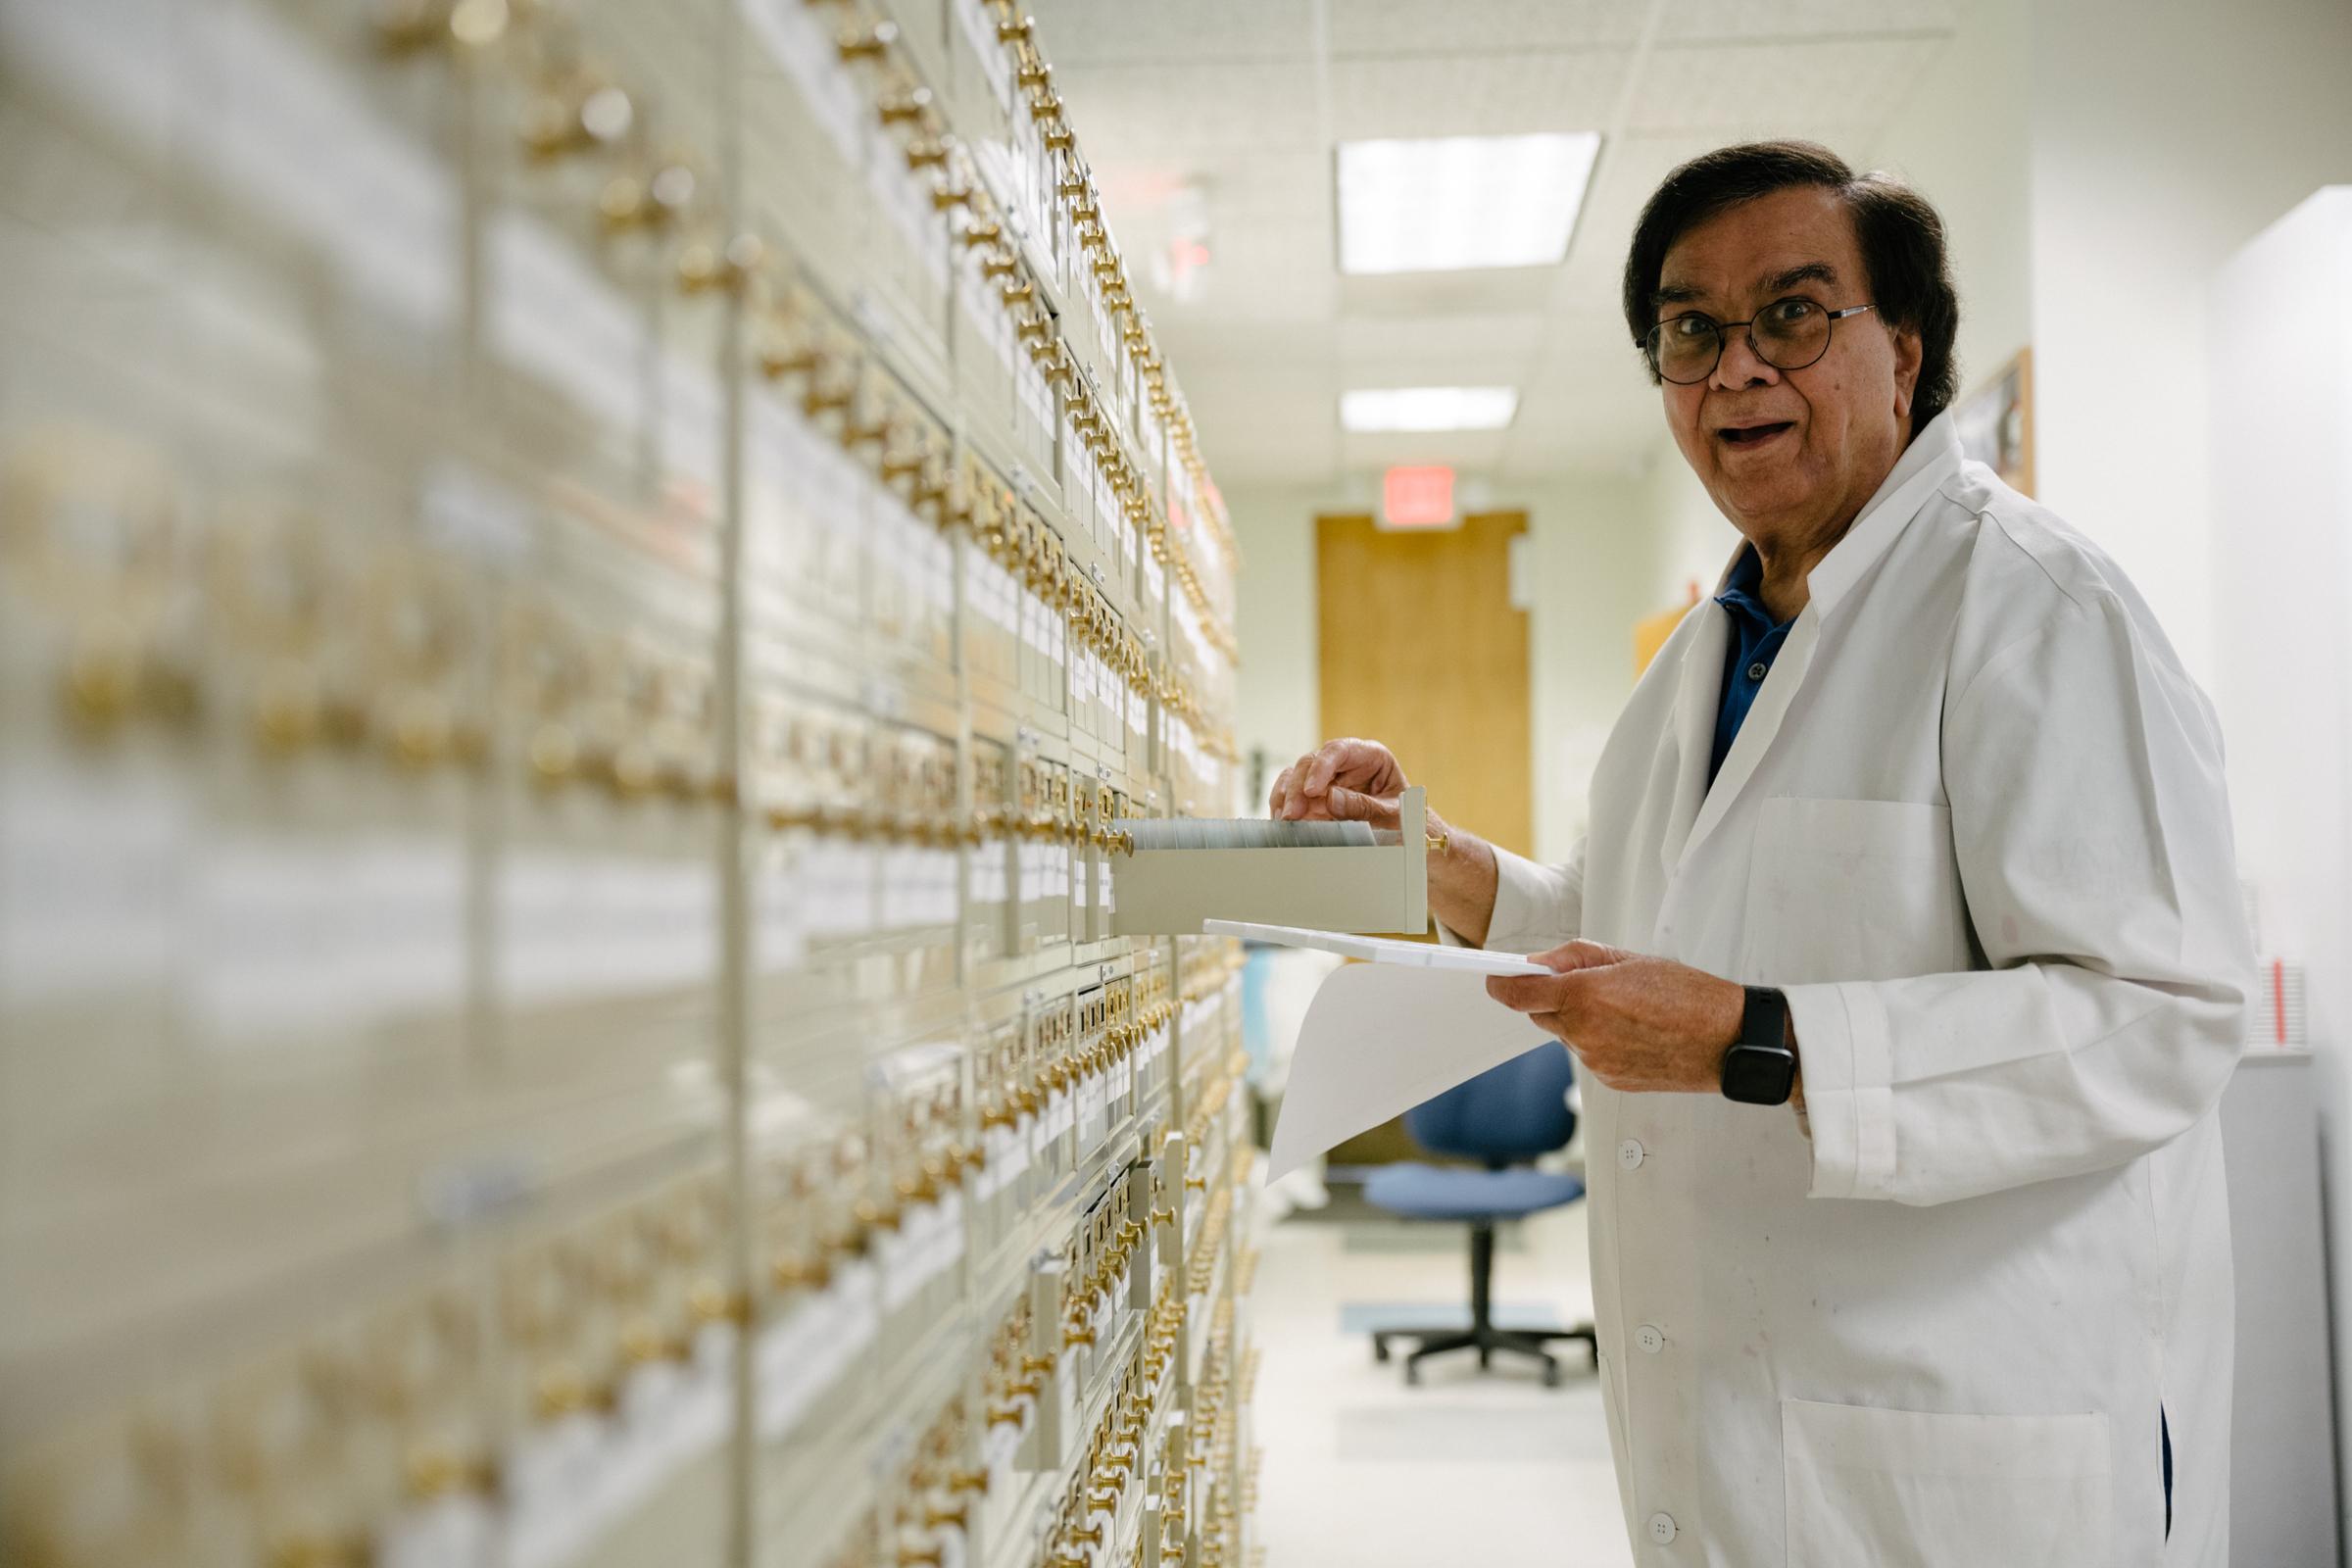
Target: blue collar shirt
[(1747, 653)]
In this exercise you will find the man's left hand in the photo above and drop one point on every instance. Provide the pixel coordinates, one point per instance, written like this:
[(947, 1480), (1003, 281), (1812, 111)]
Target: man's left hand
[(1637, 1023)]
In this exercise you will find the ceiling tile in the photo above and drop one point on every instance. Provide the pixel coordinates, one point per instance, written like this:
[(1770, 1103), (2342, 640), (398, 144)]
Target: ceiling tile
[(1266, 184), (1476, 95), (1260, 271), (1205, 337), (1590, 349), (1131, 31), (1282, 188), (1396, 296), (1745, 89), (1496, 26), (1566, 426), (1269, 237), (1171, 111), (1367, 343), (1264, 420), (1692, 20)]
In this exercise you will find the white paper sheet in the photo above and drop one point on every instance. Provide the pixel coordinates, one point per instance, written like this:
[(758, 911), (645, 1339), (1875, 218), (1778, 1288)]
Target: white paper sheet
[(1381, 1037), (1378, 950)]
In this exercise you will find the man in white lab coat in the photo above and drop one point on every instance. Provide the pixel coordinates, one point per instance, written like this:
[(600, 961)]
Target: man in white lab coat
[(1905, 957)]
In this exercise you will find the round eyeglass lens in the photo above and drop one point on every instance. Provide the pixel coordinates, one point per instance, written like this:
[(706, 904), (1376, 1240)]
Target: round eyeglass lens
[(1787, 335), (1686, 348), (1791, 335)]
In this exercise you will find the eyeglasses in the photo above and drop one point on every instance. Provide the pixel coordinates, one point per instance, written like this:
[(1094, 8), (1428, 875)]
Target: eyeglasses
[(1787, 334)]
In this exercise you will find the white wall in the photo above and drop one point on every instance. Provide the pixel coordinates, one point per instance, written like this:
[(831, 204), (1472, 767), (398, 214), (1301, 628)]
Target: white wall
[(2282, 385), (2165, 136), (1962, 142), (1690, 539), (1274, 620), (2095, 161), (1592, 543), (1591, 573)]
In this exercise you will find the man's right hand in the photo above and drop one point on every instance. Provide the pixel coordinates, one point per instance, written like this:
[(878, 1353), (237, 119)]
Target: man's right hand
[(1344, 781), (1358, 782)]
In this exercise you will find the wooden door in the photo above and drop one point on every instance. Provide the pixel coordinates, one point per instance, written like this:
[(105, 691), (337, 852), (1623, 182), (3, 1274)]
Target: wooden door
[(1421, 648)]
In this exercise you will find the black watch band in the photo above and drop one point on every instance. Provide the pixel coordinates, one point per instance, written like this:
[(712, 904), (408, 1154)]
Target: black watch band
[(1760, 1069)]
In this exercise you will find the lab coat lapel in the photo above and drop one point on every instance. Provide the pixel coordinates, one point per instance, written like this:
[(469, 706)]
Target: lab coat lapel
[(1694, 704), (1763, 723), (1925, 464)]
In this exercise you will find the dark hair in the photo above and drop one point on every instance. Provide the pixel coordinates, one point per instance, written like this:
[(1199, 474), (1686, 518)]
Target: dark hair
[(1900, 237)]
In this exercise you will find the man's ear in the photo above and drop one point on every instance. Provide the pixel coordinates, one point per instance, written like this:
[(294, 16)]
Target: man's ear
[(1908, 352)]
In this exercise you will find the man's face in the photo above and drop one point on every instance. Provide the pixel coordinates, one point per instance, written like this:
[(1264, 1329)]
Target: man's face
[(1786, 453)]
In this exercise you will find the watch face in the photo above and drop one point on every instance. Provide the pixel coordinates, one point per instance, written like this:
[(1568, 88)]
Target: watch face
[(1758, 1075)]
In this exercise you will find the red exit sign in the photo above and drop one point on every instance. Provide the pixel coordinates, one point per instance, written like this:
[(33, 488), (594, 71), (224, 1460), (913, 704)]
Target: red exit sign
[(1417, 498)]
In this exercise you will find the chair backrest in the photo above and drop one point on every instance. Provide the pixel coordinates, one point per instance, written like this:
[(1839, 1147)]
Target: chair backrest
[(1505, 1115)]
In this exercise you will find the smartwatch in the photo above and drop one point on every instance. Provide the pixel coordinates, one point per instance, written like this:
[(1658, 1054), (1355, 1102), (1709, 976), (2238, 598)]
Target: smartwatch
[(1760, 1069)]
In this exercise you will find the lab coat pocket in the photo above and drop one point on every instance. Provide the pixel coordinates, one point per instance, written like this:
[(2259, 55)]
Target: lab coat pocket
[(1853, 890), (1866, 1487)]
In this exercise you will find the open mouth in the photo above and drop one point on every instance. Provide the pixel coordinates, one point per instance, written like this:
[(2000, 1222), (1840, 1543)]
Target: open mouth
[(1753, 435)]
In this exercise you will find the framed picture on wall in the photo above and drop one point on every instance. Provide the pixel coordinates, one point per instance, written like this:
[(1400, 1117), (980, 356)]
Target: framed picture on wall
[(1996, 422)]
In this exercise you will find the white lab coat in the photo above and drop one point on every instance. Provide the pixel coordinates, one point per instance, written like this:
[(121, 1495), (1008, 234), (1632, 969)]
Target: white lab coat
[(1976, 826)]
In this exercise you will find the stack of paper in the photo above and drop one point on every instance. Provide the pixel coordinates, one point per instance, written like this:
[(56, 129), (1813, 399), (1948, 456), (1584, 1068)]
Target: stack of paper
[(1385, 1035)]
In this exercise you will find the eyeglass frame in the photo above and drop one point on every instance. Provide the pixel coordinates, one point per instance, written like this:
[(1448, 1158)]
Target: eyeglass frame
[(1723, 331)]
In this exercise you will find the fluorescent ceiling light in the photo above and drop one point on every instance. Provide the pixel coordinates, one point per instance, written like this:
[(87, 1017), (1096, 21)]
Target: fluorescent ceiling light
[(1429, 407), (1448, 202)]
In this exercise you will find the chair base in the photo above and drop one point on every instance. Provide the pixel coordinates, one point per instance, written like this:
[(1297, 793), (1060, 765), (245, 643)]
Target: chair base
[(1486, 1339), (1483, 1336)]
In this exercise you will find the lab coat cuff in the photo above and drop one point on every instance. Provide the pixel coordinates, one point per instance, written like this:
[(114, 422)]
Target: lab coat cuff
[(1842, 1053), (1526, 917)]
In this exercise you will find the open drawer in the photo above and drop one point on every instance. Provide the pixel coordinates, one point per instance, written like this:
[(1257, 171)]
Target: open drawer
[(1378, 889)]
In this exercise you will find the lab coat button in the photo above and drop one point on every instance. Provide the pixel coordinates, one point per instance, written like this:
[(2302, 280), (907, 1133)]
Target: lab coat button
[(1629, 1154), (1649, 1339), (1662, 1528), (1756, 671)]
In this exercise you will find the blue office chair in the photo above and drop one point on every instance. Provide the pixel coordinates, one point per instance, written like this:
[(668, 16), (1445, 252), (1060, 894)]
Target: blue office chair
[(1504, 1117)]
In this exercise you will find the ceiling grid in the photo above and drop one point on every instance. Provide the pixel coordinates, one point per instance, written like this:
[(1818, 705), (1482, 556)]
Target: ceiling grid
[(1244, 100)]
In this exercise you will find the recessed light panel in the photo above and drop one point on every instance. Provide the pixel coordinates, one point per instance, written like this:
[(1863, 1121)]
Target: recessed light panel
[(1451, 203), (1428, 408)]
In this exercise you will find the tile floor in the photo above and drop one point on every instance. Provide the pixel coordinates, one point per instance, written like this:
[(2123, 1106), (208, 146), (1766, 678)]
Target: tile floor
[(1362, 1472)]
